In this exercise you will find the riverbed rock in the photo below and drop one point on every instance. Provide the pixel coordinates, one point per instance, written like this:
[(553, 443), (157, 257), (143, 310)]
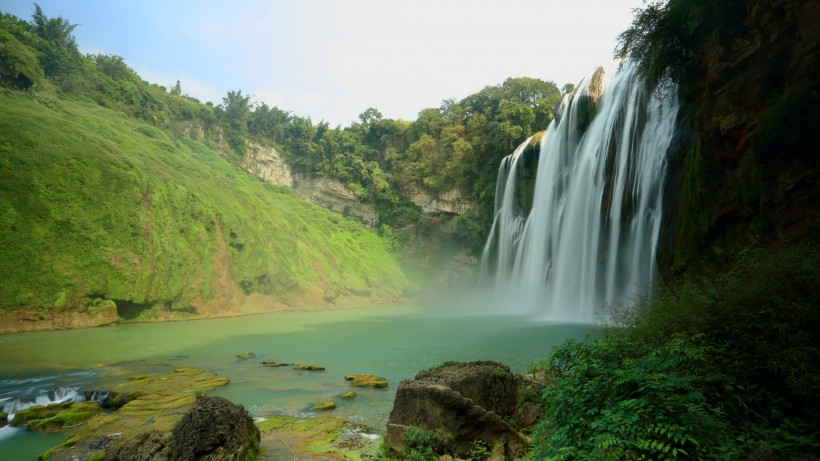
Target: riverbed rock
[(366, 380), (273, 364), (299, 366), (4, 418), (214, 429), (163, 400), (467, 402), (147, 446), (322, 437), (55, 416), (323, 406)]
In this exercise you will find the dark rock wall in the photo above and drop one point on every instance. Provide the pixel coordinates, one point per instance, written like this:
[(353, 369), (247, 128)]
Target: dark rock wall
[(745, 168)]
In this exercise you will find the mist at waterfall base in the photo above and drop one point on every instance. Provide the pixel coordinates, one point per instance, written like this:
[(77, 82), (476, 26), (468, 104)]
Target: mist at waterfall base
[(587, 243)]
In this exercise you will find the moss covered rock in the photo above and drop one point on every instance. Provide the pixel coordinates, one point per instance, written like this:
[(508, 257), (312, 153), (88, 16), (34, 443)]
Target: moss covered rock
[(299, 366), (55, 416), (367, 380), (160, 400), (323, 406)]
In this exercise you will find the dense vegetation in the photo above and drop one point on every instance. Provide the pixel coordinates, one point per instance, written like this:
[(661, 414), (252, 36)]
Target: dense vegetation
[(457, 145), (715, 367), (98, 205)]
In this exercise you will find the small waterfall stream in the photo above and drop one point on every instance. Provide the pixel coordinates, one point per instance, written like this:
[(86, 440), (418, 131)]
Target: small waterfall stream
[(590, 237)]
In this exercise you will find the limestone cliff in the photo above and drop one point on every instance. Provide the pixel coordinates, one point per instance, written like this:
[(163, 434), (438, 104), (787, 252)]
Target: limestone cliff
[(747, 170), (333, 195), (267, 164), (451, 201)]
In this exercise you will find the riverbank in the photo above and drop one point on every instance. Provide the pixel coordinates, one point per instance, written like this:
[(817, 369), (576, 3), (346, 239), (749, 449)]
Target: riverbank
[(28, 319)]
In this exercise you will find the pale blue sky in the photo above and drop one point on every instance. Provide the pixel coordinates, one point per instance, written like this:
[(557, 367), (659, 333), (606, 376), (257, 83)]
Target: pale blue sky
[(332, 59)]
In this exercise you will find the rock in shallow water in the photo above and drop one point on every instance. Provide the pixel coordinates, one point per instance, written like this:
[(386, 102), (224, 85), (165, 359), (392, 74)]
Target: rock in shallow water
[(367, 380)]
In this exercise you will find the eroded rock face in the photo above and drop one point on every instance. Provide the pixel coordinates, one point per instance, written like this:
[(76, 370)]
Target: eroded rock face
[(466, 401), (433, 204), (334, 196), (267, 164)]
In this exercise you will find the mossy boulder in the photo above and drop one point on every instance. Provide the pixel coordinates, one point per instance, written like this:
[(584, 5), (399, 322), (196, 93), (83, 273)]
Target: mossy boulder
[(299, 366), (367, 380), (245, 355), (161, 399), (349, 395), (55, 416), (273, 364), (323, 406), (4, 418)]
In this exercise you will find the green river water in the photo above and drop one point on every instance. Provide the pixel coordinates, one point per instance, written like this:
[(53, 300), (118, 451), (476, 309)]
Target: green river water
[(391, 342)]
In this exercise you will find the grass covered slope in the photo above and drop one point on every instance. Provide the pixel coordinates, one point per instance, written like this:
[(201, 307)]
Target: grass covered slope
[(95, 206)]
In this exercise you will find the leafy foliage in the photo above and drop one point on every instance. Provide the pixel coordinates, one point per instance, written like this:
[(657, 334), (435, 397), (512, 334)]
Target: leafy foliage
[(712, 368), (421, 445), (662, 37)]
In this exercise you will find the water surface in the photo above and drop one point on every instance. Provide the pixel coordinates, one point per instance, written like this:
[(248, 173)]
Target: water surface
[(391, 342)]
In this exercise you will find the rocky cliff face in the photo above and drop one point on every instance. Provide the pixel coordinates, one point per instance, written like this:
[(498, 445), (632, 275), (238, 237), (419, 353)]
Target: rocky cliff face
[(334, 196), (267, 164), (747, 171), (433, 204)]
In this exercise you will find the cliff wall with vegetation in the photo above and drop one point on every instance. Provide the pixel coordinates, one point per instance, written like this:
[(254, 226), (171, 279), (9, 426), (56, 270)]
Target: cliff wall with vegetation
[(747, 171)]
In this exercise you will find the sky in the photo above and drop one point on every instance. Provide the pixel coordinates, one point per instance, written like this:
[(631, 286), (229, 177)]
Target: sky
[(332, 59)]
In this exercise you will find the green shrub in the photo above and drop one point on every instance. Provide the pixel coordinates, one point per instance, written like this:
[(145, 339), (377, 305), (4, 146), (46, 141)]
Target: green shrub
[(421, 445), (613, 399), (712, 368)]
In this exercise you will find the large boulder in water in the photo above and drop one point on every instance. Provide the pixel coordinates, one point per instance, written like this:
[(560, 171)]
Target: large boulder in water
[(467, 402)]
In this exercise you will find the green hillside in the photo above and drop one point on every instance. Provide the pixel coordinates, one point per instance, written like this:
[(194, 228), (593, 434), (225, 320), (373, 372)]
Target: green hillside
[(96, 206)]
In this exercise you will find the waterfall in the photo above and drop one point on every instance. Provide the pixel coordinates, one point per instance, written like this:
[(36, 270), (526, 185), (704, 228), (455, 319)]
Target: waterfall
[(590, 237)]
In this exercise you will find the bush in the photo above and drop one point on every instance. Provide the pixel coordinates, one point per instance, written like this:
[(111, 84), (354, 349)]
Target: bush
[(711, 368), (421, 445)]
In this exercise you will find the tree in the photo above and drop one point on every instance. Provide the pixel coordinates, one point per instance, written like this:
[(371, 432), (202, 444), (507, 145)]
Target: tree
[(114, 67), (235, 111), (177, 89), (60, 56)]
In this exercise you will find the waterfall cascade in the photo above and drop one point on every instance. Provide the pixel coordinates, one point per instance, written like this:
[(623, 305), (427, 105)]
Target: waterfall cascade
[(587, 235)]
